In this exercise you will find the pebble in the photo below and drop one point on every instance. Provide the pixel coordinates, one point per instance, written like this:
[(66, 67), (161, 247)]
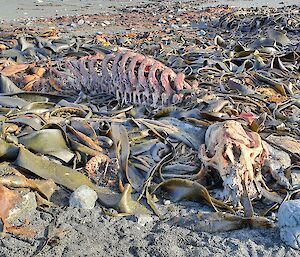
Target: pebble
[(80, 22), (143, 219), (83, 197), (167, 202), (289, 223), (202, 32), (174, 26), (162, 21), (106, 22)]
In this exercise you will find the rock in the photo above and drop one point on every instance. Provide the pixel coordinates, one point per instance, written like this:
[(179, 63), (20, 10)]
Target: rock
[(143, 219), (289, 223), (23, 209), (202, 32), (167, 202), (162, 21), (83, 197), (106, 22), (80, 22), (174, 26)]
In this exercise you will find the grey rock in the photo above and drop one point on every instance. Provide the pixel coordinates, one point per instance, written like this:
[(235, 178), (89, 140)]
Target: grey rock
[(80, 22), (83, 197), (143, 219), (167, 202), (24, 209), (289, 223)]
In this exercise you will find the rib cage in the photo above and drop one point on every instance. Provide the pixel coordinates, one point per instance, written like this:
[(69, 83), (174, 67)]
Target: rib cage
[(131, 77)]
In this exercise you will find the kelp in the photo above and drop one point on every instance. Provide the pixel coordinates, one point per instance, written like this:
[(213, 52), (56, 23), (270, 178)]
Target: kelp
[(47, 141), (11, 177), (184, 189), (221, 222), (72, 179)]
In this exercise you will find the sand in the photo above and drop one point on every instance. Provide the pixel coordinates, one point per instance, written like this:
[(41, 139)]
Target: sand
[(15, 9)]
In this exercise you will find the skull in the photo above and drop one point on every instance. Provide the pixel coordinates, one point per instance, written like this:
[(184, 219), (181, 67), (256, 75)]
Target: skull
[(235, 154)]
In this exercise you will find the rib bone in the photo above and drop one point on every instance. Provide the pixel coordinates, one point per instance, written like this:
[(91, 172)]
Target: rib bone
[(131, 77)]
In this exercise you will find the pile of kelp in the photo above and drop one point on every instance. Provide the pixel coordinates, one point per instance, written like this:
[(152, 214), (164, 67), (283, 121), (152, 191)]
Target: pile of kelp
[(233, 143)]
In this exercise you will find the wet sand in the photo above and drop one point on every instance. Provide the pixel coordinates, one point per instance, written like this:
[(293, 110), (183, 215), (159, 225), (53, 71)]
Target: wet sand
[(16, 9)]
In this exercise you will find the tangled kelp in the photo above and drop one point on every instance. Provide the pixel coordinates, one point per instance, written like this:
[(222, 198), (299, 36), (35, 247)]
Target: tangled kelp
[(247, 69)]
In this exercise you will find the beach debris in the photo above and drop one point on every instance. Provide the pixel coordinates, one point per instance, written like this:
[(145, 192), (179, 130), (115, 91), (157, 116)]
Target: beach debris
[(23, 209), (289, 223), (184, 189), (131, 77), (235, 154), (207, 116), (276, 162), (83, 197), (143, 220), (221, 222), (8, 200)]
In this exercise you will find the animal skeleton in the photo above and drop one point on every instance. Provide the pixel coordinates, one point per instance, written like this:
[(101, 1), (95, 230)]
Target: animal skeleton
[(131, 77)]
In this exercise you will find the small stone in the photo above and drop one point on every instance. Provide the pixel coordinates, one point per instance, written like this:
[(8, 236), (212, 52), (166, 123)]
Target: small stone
[(162, 21), (202, 32), (167, 202), (73, 25), (289, 223), (23, 209), (143, 219), (184, 212), (83, 197), (80, 22), (174, 26), (106, 22)]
